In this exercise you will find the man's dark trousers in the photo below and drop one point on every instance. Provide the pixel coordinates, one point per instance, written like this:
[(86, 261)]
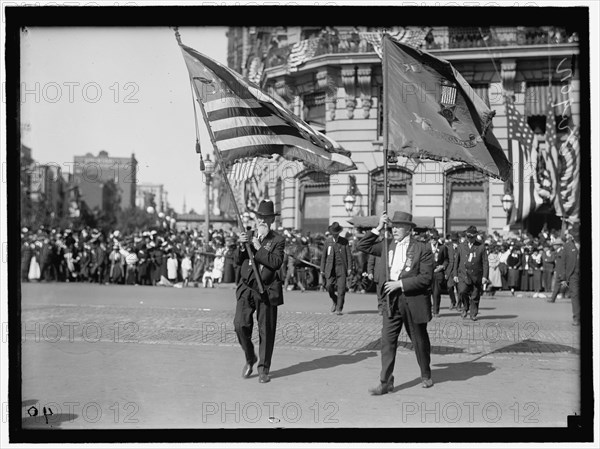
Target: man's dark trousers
[(337, 278), (266, 316), (438, 279), (389, 339), (469, 295)]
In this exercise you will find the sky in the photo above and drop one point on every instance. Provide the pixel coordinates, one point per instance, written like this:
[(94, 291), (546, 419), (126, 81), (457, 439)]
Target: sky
[(122, 90)]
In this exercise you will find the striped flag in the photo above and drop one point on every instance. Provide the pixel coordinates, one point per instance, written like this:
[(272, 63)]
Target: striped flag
[(523, 154), (242, 170), (569, 177), (550, 155), (301, 51), (412, 36), (246, 122)]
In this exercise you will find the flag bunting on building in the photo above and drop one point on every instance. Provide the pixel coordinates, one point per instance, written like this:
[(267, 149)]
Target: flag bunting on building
[(570, 188), (242, 170), (411, 36), (300, 52), (246, 122), (433, 113), (523, 154), (550, 156)]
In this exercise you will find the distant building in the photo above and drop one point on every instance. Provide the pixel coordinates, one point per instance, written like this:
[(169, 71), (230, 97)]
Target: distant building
[(91, 173), (153, 195), (196, 221)]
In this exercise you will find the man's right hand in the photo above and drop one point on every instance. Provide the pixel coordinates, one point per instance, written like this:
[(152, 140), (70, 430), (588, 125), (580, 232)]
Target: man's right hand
[(383, 220), (243, 238)]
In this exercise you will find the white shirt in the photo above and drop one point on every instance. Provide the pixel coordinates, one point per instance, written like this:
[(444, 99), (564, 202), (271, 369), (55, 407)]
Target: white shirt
[(399, 258)]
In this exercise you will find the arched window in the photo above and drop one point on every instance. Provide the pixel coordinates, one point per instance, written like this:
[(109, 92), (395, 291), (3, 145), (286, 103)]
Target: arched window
[(400, 190), (313, 201), (466, 199)]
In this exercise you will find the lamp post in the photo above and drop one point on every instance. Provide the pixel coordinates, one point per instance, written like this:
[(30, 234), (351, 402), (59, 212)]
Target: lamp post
[(349, 201), (209, 168)]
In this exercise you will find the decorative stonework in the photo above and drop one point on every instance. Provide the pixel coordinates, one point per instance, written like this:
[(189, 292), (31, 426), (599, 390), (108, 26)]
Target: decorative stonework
[(327, 81), (364, 81), (349, 82), (508, 72), (285, 88)]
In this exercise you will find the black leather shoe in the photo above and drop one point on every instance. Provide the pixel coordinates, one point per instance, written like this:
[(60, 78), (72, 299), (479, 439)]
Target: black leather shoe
[(248, 368), (382, 388), (263, 378), (426, 383), (333, 307)]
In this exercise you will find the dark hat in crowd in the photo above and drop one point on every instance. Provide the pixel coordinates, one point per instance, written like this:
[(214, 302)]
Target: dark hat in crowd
[(434, 233), (266, 208), (402, 218), (335, 227), (471, 230)]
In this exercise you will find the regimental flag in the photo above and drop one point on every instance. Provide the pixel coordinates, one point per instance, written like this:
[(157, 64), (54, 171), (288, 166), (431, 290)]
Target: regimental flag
[(523, 154), (550, 156), (431, 112), (302, 51), (412, 36), (246, 122), (569, 179)]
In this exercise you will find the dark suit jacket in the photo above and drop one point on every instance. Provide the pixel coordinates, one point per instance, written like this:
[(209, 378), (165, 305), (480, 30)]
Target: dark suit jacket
[(341, 248), (441, 259), (269, 259), (416, 275), (471, 272), (449, 271), (570, 260)]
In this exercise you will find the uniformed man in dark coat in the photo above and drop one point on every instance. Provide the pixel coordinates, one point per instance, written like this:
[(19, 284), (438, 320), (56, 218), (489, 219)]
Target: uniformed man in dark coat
[(410, 276), (268, 250), (440, 262), (336, 264), (471, 270), (571, 272)]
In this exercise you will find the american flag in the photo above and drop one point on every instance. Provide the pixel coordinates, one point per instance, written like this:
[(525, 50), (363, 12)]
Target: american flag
[(550, 153), (301, 51), (242, 170), (246, 122), (523, 154), (413, 36), (569, 179)]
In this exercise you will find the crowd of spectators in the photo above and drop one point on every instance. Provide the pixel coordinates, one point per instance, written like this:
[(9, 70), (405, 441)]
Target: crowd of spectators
[(165, 257)]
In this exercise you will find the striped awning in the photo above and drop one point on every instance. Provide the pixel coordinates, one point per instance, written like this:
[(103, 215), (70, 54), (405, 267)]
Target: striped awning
[(536, 99)]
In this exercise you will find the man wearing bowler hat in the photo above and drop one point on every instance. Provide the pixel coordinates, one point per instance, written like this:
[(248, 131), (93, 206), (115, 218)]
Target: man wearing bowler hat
[(410, 265), (268, 249), (470, 272), (336, 264)]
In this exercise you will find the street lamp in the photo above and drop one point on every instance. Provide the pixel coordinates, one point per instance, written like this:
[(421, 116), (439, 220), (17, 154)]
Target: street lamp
[(507, 203), (209, 168), (349, 201)]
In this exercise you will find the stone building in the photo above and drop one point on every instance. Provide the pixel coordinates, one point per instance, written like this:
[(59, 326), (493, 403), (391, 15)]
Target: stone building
[(333, 80)]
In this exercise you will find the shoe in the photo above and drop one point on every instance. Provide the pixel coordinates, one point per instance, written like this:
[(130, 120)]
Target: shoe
[(575, 323), (248, 368), (452, 307), (339, 312), (426, 383), (550, 300), (380, 312), (473, 318), (263, 378), (382, 388), (463, 313), (333, 307)]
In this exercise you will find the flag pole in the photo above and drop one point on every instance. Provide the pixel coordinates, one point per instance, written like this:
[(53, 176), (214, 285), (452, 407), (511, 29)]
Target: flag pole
[(384, 256), (219, 159)]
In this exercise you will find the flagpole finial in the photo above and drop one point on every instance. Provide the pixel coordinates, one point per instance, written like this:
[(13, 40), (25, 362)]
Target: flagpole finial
[(177, 35)]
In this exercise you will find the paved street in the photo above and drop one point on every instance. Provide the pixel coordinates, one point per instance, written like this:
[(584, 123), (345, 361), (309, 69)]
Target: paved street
[(148, 357)]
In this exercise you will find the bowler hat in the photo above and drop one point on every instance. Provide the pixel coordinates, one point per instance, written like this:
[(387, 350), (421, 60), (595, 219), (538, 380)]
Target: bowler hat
[(434, 233), (402, 218), (335, 227), (471, 230), (265, 209)]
